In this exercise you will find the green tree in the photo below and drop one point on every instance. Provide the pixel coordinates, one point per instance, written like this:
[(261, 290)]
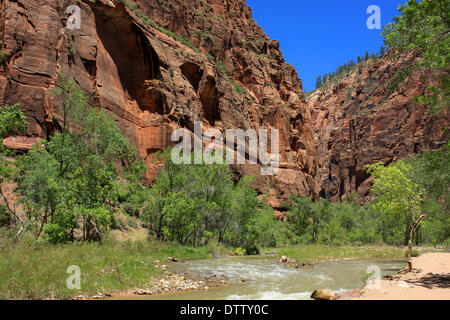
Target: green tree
[(182, 217), (12, 122), (305, 218), (272, 231), (399, 195), (350, 222), (73, 181), (74, 102), (431, 171), (189, 203), (424, 27), (40, 186), (318, 81), (243, 231)]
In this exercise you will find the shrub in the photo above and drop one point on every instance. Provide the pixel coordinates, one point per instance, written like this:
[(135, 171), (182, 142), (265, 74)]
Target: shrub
[(238, 88), (414, 253), (72, 182), (3, 56), (12, 121), (222, 69)]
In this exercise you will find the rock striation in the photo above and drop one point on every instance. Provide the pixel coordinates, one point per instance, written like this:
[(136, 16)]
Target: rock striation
[(156, 66), (362, 119), (160, 65)]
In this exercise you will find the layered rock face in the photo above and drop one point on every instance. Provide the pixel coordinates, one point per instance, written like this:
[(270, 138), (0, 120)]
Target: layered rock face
[(359, 120), (215, 65)]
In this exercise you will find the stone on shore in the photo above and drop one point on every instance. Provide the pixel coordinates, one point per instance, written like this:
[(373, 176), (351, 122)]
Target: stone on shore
[(323, 294)]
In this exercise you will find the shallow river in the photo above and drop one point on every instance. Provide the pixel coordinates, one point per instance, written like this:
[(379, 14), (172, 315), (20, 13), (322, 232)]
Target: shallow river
[(256, 278)]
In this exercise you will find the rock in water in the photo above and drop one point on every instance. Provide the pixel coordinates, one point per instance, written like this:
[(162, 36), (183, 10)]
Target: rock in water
[(323, 294)]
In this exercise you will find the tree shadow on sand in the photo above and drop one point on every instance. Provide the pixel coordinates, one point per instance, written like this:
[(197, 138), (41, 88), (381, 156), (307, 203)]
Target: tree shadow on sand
[(432, 281)]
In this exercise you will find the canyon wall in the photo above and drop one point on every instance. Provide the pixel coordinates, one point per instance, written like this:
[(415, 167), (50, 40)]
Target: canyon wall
[(360, 119), (156, 66), (160, 65)]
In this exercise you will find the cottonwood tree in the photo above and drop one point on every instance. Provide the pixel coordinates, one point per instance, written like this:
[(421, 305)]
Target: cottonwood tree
[(432, 172), (12, 121), (304, 217), (398, 194), (424, 27), (73, 180), (190, 203)]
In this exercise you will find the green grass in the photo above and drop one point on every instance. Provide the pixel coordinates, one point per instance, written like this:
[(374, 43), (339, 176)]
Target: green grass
[(31, 269), (3, 56), (414, 253), (310, 254), (238, 88), (222, 69)]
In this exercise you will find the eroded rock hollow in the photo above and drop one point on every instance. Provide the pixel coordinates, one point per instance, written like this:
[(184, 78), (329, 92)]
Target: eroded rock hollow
[(159, 66)]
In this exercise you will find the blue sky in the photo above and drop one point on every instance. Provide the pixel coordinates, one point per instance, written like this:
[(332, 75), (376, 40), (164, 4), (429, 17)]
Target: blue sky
[(317, 36)]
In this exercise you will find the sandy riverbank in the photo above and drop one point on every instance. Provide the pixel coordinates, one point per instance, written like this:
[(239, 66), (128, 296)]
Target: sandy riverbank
[(430, 280)]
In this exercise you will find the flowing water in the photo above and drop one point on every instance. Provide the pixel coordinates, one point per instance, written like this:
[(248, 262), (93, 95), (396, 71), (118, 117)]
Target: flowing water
[(254, 278)]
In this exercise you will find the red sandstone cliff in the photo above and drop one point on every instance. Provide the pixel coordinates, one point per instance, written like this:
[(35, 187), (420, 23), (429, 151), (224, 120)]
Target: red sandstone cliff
[(358, 120), (118, 50)]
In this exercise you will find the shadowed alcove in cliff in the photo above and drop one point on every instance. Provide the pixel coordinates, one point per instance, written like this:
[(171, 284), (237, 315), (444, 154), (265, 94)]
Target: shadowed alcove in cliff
[(134, 57), (193, 73), (209, 97)]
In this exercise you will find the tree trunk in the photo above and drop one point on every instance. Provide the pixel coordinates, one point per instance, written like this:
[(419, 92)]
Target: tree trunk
[(409, 252), (411, 236), (314, 232), (196, 239), (43, 222), (12, 216)]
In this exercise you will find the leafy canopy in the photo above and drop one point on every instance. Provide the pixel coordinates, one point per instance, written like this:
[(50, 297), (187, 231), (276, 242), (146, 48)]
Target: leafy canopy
[(12, 121), (191, 203), (73, 180), (396, 192), (424, 27)]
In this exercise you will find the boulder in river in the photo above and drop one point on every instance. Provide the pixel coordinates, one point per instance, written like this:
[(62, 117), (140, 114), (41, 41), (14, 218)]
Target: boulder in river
[(323, 294)]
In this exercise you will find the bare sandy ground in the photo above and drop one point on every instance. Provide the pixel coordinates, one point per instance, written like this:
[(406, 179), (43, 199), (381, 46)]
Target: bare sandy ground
[(430, 280)]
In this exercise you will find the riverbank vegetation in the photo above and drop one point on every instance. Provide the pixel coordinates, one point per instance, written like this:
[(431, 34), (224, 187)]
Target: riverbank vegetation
[(33, 268), (197, 203), (403, 192), (73, 190)]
